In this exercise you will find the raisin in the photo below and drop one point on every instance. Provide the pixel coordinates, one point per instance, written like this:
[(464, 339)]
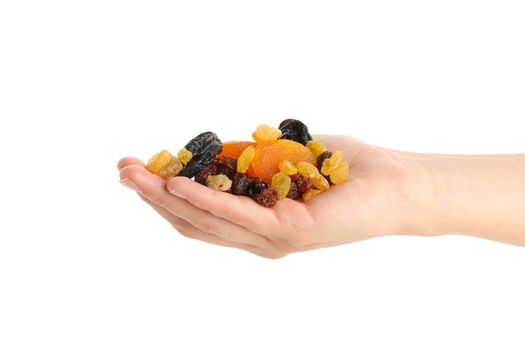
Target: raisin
[(256, 187), (219, 182), (340, 174), (203, 147), (267, 197), (245, 159), (311, 193), (240, 184), (185, 156), (281, 183), (320, 182), (321, 158), (159, 161), (202, 175), (332, 163), (317, 148), (303, 184), (265, 132), (227, 166), (295, 130), (307, 170), (172, 169), (293, 193), (287, 167)]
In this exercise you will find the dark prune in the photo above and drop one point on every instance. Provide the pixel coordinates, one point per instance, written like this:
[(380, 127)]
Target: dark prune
[(204, 173), (267, 197), (303, 184), (295, 130), (203, 148), (256, 187), (240, 184), (227, 166), (293, 193), (321, 159)]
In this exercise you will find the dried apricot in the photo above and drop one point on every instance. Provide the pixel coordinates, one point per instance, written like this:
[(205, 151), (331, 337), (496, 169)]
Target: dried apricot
[(268, 156), (317, 148), (287, 167), (332, 163), (340, 174), (281, 183), (245, 159), (265, 132), (234, 149)]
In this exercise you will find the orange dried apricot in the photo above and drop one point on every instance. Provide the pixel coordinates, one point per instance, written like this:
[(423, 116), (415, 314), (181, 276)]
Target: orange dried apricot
[(233, 149), (269, 154)]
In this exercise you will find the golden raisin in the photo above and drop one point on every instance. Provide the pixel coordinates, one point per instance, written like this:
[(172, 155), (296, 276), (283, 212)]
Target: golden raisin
[(264, 132), (311, 193), (317, 148), (307, 170), (185, 156), (172, 169), (159, 161), (332, 163), (281, 182), (340, 174), (287, 167), (219, 182), (320, 182), (245, 159)]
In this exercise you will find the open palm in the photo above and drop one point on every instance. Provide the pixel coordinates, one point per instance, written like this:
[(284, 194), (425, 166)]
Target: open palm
[(366, 206)]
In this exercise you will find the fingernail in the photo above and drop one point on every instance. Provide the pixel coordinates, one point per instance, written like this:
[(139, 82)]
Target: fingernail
[(130, 184), (178, 194)]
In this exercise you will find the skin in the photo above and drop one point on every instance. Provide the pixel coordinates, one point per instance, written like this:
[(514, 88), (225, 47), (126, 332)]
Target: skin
[(389, 193)]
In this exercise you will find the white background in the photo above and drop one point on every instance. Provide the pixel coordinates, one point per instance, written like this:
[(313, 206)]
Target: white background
[(84, 264)]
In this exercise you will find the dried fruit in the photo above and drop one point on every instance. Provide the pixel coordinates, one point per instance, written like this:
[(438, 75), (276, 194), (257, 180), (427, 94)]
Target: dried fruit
[(184, 155), (332, 163), (203, 147), (287, 167), (219, 182), (281, 183), (172, 169), (320, 182), (267, 197), (265, 132), (317, 148), (307, 170), (295, 130), (293, 193), (234, 149), (311, 193), (226, 166), (159, 161), (256, 187), (240, 184), (204, 173), (340, 174), (245, 159), (321, 158), (268, 156), (303, 184)]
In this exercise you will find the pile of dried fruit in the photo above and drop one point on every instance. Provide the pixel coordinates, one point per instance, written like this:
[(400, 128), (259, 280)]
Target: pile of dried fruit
[(280, 163)]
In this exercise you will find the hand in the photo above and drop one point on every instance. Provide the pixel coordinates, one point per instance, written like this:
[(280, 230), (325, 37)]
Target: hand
[(376, 201)]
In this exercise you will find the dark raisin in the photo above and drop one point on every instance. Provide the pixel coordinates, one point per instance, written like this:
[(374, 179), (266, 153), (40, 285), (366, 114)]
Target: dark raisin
[(240, 184), (203, 148), (293, 193), (321, 158), (256, 187), (227, 166), (295, 130), (303, 184), (267, 197), (204, 173)]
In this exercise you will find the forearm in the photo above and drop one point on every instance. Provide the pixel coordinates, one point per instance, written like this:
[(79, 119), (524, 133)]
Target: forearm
[(482, 196)]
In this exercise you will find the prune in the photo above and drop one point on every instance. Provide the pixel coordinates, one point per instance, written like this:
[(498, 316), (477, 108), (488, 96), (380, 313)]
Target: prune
[(267, 197), (256, 187), (203, 147), (245, 159), (332, 163), (281, 183), (219, 182), (287, 167), (295, 130), (202, 175), (321, 158), (293, 193), (340, 174), (265, 132), (303, 184), (226, 166), (316, 147)]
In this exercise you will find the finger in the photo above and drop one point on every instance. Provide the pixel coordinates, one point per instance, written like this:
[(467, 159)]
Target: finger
[(154, 189), (239, 210), (187, 230), (124, 162)]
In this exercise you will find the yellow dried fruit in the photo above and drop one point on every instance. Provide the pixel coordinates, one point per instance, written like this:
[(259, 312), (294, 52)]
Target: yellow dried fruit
[(311, 193), (320, 182), (159, 161), (332, 163), (317, 148), (287, 167), (185, 156), (245, 159), (340, 174), (307, 170), (281, 182), (219, 182), (265, 132), (172, 169)]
